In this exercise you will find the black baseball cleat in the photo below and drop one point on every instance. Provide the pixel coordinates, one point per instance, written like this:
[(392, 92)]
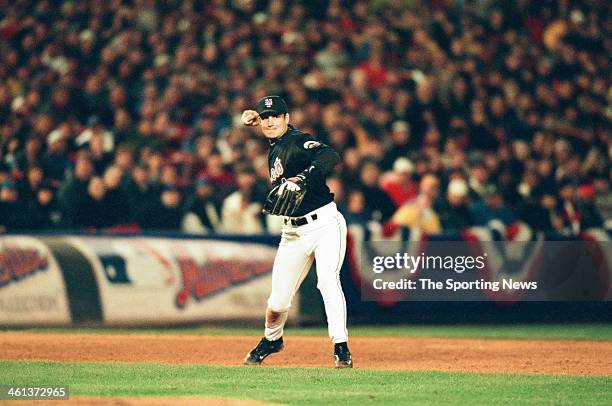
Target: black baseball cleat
[(262, 350), (342, 356)]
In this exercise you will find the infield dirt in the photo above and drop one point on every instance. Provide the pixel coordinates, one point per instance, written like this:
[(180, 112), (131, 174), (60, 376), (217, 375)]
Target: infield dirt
[(567, 357)]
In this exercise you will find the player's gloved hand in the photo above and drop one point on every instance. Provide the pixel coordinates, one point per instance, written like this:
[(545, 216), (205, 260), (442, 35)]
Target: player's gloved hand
[(285, 199)]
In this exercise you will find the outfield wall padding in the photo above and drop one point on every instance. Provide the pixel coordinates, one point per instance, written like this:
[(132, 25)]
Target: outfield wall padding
[(171, 279), (134, 280)]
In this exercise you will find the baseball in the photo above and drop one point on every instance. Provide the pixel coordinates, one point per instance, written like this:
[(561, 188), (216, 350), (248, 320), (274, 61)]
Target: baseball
[(249, 117)]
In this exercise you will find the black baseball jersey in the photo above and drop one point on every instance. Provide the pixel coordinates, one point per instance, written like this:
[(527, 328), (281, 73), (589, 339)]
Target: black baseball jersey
[(297, 153)]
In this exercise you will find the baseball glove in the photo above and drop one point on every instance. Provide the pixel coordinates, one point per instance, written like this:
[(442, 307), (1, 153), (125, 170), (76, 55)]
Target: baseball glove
[(284, 199)]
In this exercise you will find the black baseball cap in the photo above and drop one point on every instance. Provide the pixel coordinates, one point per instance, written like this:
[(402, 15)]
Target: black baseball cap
[(271, 105)]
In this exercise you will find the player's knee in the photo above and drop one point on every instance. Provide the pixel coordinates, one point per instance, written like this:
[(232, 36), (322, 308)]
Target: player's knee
[(279, 304)]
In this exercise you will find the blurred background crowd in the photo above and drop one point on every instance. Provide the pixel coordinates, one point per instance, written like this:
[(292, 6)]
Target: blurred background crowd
[(447, 114)]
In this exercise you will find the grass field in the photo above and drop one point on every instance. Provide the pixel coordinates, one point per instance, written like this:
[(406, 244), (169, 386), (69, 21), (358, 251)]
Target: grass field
[(309, 386), (326, 386)]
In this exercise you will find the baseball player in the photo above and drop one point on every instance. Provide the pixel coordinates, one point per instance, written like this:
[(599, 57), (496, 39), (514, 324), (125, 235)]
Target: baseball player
[(313, 228)]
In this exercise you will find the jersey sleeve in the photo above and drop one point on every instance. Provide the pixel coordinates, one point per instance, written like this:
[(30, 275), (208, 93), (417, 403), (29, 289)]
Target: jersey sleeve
[(322, 157)]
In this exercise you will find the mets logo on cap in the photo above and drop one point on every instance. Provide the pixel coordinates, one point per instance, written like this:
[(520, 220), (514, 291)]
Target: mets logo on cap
[(268, 103)]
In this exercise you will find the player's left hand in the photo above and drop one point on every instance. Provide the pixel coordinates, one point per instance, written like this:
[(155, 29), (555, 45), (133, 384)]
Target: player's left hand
[(292, 184), (288, 185)]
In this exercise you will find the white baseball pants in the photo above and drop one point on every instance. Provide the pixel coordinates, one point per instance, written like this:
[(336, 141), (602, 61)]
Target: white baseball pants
[(322, 240)]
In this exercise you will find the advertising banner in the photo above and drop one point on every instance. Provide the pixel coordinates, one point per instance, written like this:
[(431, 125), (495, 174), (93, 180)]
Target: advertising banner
[(164, 280), (32, 288)]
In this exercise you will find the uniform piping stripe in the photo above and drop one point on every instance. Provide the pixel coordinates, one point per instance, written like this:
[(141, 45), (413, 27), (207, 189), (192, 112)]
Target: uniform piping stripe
[(338, 268)]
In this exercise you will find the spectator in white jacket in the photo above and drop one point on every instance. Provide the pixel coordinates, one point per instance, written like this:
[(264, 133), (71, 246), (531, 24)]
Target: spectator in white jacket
[(240, 213)]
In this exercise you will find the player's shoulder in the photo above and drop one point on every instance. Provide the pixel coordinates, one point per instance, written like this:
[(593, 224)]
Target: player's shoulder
[(296, 133), (303, 140)]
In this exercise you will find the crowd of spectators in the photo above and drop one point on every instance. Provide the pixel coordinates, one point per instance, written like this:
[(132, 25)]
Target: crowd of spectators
[(447, 114)]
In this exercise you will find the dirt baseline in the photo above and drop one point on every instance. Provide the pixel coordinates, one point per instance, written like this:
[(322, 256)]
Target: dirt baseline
[(570, 357)]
